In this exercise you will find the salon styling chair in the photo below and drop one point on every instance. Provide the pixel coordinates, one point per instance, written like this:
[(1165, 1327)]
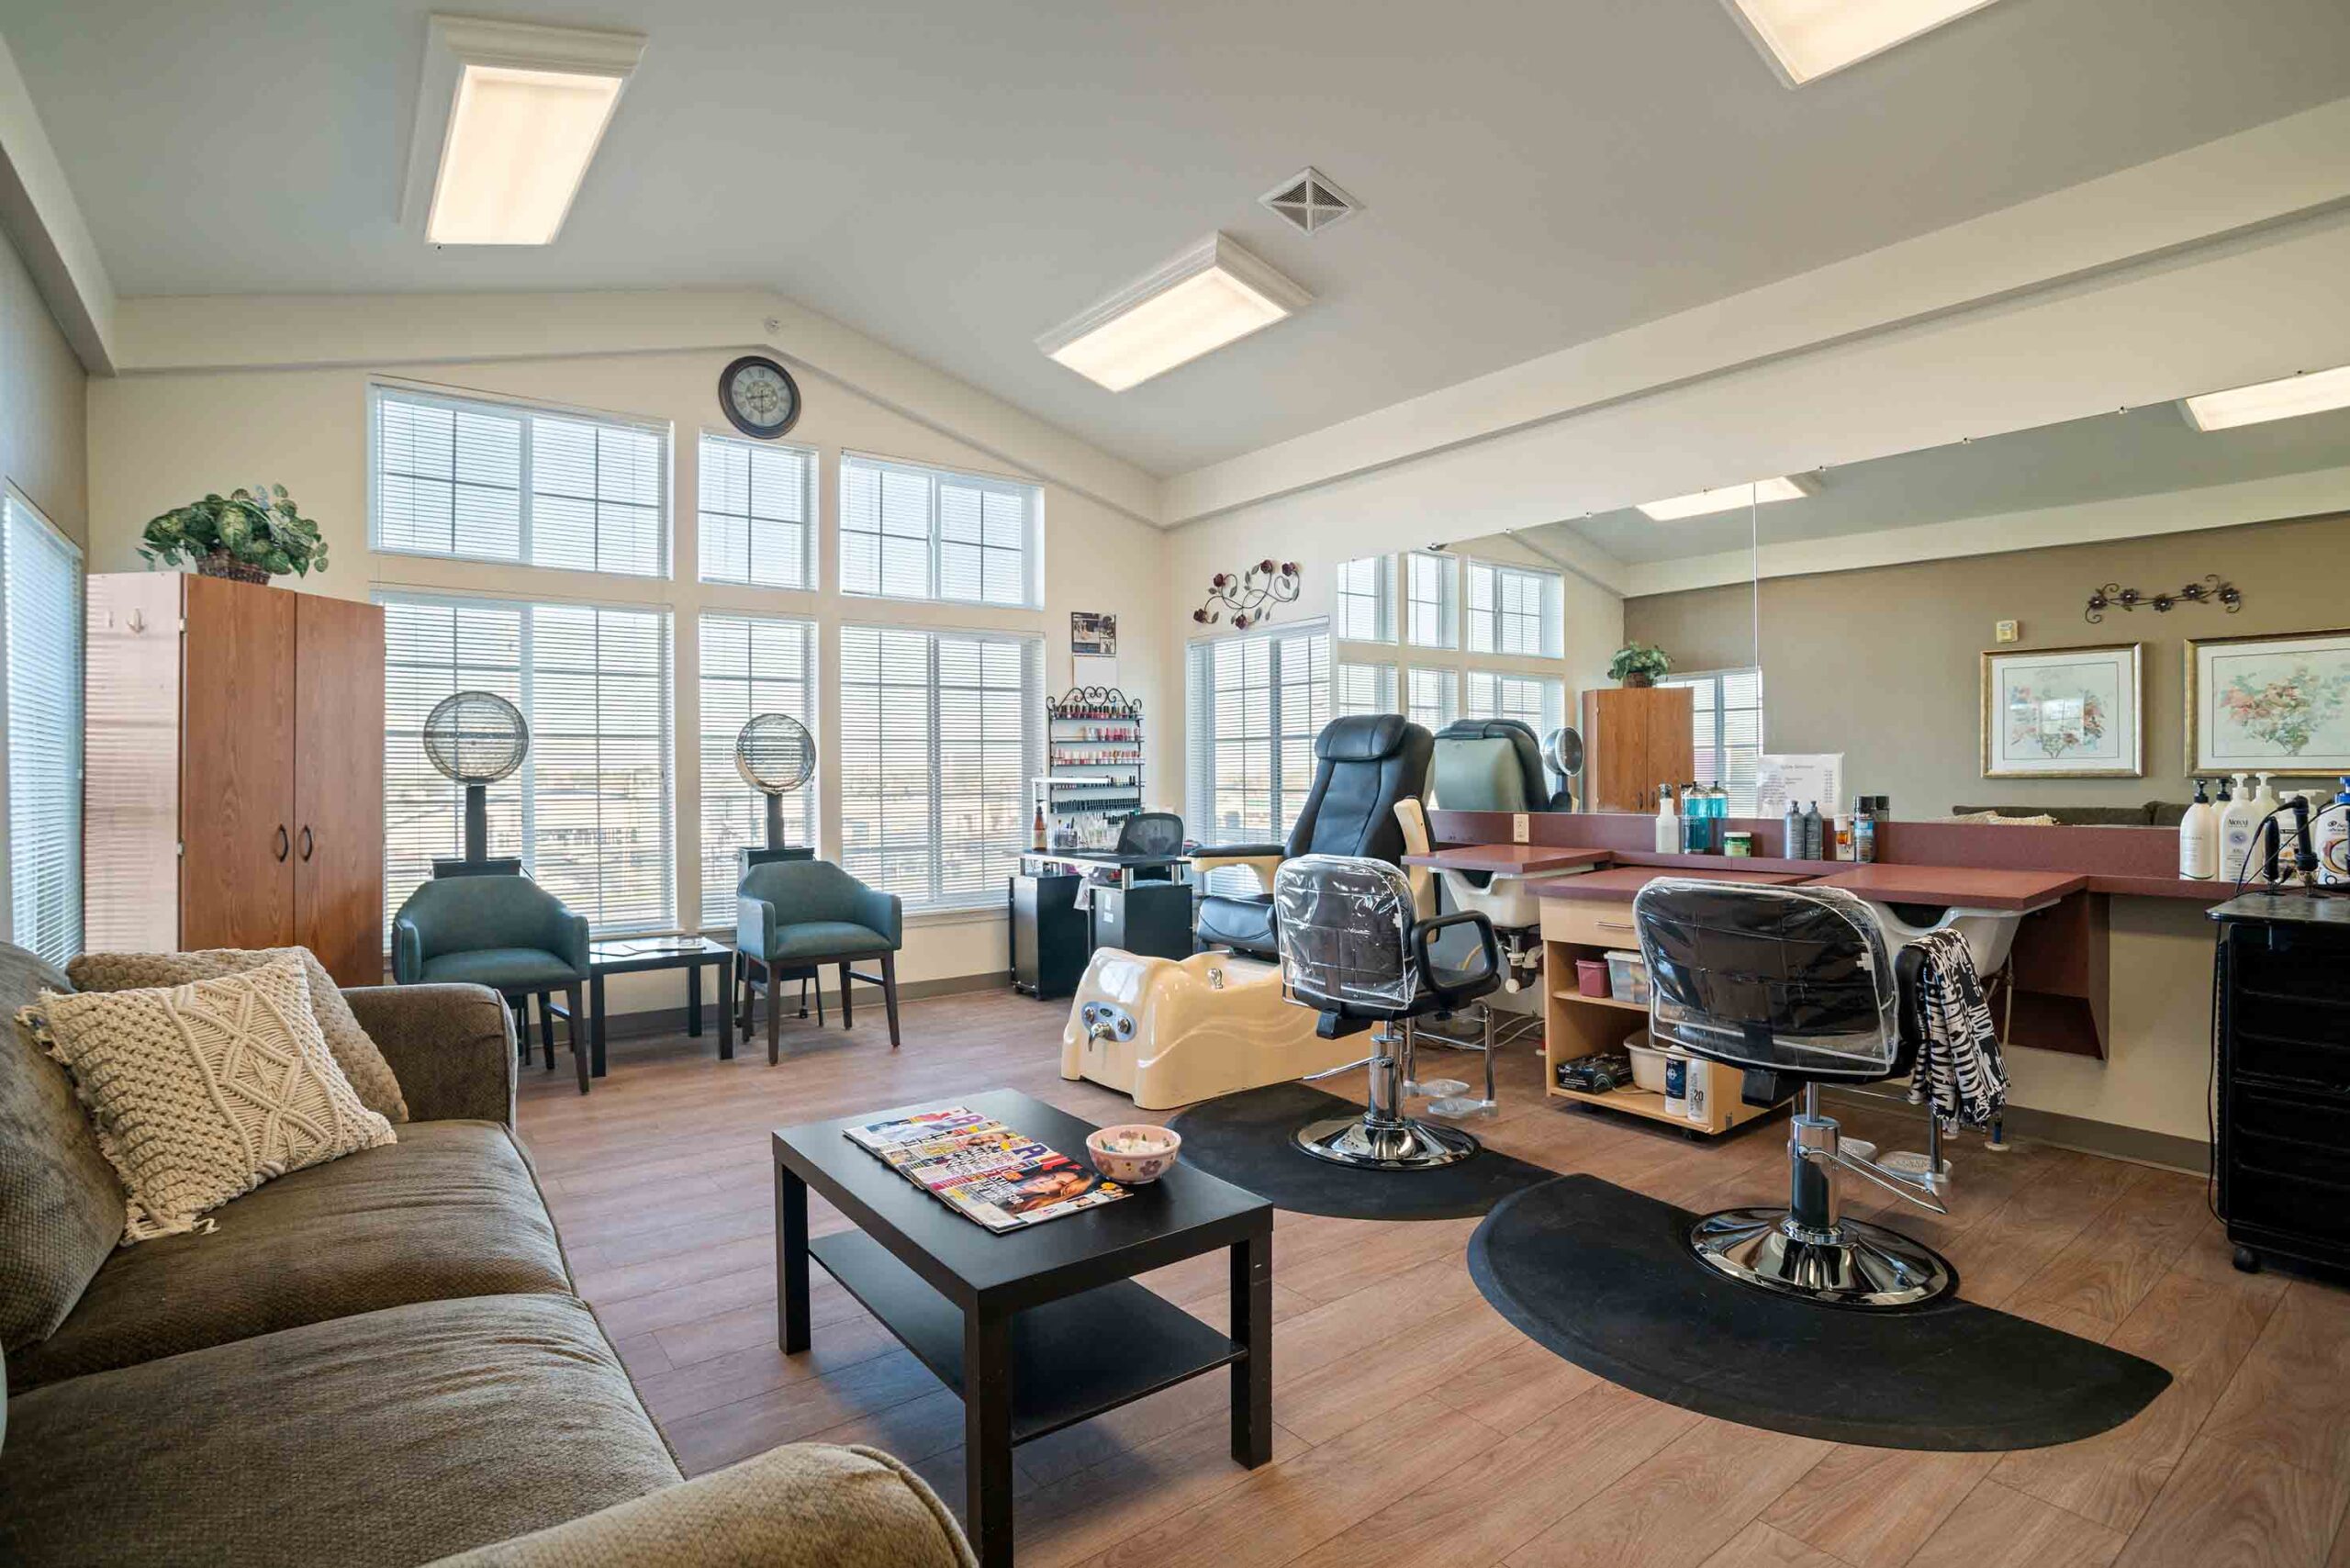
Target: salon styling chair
[(1492, 765), (1352, 947), (1364, 764), (1795, 986)]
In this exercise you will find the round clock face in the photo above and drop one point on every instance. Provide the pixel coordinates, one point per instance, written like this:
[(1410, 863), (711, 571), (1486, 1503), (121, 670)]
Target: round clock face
[(759, 397)]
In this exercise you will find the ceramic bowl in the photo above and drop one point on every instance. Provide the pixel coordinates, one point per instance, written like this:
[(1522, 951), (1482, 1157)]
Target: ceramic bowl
[(1134, 1170)]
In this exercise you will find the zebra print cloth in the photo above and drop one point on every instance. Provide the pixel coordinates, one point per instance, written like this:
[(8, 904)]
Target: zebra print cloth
[(1959, 1074)]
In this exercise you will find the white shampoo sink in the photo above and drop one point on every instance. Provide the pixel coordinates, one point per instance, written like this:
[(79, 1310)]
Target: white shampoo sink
[(1989, 933)]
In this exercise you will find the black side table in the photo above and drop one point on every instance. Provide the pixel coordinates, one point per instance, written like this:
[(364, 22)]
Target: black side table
[(624, 955)]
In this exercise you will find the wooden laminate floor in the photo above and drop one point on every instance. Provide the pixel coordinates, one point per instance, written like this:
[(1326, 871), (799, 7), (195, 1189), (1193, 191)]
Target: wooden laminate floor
[(1414, 1425)]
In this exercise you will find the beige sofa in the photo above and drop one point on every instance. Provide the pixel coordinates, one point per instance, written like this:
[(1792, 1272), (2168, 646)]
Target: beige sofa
[(381, 1361)]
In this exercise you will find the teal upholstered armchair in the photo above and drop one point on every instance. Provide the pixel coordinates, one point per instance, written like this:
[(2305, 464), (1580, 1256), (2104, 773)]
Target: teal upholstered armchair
[(507, 933), (793, 916)]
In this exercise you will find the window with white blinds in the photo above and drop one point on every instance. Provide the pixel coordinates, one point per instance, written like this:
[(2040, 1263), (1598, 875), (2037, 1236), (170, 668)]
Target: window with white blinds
[(940, 734), (42, 606), (483, 480), (1362, 688), (1515, 610), (1432, 585), (757, 503), (1366, 606), (1256, 705), (589, 811), (1432, 697), (910, 531), (1726, 724), (750, 663), (1539, 703)]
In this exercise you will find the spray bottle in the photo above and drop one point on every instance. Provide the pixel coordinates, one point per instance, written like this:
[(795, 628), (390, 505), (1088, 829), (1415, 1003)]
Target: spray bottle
[(1668, 822), (2198, 845)]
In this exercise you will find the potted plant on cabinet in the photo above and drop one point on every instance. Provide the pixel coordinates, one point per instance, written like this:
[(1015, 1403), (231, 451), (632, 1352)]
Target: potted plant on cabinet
[(1638, 665), (249, 536)]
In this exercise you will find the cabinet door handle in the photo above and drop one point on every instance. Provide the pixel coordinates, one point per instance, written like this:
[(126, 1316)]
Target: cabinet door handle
[(1614, 925), (305, 841), (284, 844)]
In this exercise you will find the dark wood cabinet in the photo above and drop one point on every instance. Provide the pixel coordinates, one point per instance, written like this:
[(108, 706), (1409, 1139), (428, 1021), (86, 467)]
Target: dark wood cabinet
[(236, 733), (1634, 739)]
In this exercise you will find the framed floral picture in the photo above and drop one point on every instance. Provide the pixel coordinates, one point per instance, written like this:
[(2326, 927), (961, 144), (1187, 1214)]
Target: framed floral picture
[(2063, 713), (2274, 704)]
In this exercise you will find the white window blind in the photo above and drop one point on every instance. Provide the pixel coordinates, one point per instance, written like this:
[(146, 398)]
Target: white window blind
[(750, 663), (755, 507), (1257, 703), (43, 605), (1432, 697), (940, 734), (1539, 703), (1362, 688), (589, 811), (910, 531), (491, 481), (1726, 724), (1433, 584), (1366, 600), (1515, 610)]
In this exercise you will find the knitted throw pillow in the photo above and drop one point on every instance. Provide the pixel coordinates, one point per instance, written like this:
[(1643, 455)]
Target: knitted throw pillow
[(202, 1092), (361, 1062)]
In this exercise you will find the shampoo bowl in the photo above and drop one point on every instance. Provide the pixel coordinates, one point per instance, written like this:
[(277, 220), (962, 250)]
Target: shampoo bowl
[(1989, 933)]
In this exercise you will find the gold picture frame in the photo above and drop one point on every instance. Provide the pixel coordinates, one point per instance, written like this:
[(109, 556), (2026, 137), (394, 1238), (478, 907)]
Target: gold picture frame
[(2057, 735), (2199, 726)]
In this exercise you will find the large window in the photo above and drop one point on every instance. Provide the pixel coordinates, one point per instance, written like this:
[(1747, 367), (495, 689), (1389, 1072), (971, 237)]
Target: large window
[(505, 482), (1726, 731), (1366, 600), (1256, 705), (1362, 688), (941, 733), (589, 811), (1434, 585), (909, 531), (757, 506), (1432, 697), (41, 571), (750, 663), (1515, 610), (1537, 703)]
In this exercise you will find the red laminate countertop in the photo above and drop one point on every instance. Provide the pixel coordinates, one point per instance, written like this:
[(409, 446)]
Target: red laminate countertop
[(1617, 884), (1508, 860), (1968, 887)]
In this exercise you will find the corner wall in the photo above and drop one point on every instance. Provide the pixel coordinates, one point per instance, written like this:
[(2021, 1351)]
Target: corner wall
[(43, 440)]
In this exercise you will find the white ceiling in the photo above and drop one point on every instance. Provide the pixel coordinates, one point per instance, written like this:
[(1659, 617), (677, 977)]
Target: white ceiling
[(954, 178)]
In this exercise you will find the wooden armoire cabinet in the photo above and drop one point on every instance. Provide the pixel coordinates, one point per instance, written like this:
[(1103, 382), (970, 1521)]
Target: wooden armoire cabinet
[(234, 792), (1634, 738)]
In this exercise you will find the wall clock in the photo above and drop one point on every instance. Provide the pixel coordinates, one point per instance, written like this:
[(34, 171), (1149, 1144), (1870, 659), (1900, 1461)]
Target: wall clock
[(759, 397)]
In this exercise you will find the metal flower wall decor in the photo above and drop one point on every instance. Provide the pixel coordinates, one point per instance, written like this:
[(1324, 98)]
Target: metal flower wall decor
[(1251, 597), (2208, 589)]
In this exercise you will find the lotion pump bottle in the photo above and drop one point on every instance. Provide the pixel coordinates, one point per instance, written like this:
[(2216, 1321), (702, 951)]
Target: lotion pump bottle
[(1668, 823), (2237, 817), (2199, 849)]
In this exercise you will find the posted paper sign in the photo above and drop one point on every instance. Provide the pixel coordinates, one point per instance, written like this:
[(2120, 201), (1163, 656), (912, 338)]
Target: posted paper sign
[(1797, 778)]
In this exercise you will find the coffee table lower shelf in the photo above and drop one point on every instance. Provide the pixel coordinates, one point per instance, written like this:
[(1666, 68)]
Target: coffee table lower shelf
[(1072, 1359)]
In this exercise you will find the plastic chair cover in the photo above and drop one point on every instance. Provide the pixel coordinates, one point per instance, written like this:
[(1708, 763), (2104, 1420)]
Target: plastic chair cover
[(1344, 926)]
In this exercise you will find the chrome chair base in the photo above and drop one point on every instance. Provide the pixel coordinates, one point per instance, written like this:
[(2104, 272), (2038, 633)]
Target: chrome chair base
[(1383, 1146), (1852, 1264)]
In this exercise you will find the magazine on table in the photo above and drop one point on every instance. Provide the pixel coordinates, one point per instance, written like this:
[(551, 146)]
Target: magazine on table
[(982, 1170)]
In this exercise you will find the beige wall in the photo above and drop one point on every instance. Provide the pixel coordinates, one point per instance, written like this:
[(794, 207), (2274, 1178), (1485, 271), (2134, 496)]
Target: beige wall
[(42, 451), (155, 440)]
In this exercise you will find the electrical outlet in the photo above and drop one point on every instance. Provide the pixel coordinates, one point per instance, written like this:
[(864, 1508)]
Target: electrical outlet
[(2007, 630), (1520, 830)]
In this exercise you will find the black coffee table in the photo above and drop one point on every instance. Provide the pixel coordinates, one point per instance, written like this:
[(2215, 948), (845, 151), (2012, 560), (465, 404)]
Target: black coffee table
[(626, 955), (1039, 1329)]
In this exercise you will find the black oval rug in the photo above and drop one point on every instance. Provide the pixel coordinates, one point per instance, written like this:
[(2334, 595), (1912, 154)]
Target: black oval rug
[(1245, 1139), (1601, 1276)]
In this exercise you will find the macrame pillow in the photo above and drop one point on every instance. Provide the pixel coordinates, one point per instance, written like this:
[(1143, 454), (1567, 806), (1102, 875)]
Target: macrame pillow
[(200, 1092), (361, 1062)]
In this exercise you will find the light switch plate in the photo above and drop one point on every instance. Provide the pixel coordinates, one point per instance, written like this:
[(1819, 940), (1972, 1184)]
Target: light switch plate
[(1520, 830), (2007, 630)]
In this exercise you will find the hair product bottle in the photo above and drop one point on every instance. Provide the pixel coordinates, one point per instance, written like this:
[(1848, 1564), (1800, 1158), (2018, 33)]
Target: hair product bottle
[(1864, 832), (1791, 826), (1815, 832), (2238, 817), (2198, 845), (2333, 834), (1668, 822)]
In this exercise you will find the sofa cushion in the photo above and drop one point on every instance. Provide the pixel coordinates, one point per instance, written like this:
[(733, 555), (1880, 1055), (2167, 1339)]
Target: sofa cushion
[(450, 1210), (60, 1203), (508, 968), (392, 1438)]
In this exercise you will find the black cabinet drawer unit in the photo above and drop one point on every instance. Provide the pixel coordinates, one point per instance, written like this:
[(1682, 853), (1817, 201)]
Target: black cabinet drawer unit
[(2282, 1032)]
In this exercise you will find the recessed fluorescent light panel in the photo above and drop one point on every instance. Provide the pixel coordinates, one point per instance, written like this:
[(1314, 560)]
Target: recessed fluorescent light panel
[(2289, 399), (1730, 498), (1212, 293), (1807, 39), (509, 117)]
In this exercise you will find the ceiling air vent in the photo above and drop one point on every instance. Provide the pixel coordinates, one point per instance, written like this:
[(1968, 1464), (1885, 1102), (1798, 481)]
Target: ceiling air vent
[(1310, 201)]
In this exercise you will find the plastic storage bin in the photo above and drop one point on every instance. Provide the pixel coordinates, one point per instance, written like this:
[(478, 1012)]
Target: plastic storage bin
[(1591, 977), (1628, 977)]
